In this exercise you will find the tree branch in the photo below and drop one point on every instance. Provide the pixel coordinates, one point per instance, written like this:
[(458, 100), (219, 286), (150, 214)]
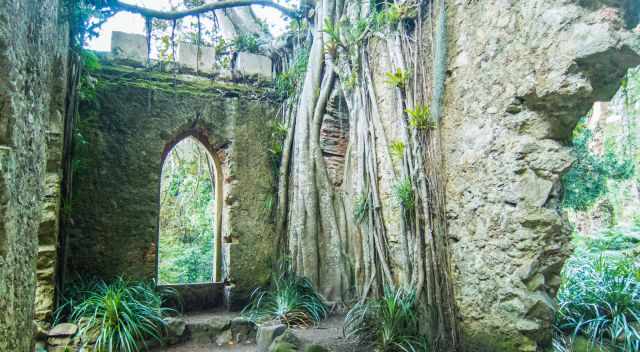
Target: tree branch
[(224, 4)]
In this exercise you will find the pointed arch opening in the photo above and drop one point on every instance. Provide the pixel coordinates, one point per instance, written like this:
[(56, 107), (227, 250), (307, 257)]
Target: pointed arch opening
[(190, 214)]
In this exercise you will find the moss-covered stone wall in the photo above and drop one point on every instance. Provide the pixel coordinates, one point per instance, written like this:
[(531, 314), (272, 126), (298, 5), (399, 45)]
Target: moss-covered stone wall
[(136, 116), (33, 56)]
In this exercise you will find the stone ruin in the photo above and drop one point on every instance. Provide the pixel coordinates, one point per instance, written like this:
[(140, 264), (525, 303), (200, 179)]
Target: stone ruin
[(520, 75)]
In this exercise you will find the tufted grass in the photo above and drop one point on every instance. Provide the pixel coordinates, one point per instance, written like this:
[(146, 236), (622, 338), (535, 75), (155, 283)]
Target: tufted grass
[(600, 300), (389, 323), (291, 300), (122, 316)]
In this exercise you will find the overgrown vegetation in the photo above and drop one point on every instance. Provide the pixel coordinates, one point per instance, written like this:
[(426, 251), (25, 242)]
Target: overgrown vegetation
[(118, 316), (389, 323), (600, 299), (287, 81), (587, 180), (290, 299)]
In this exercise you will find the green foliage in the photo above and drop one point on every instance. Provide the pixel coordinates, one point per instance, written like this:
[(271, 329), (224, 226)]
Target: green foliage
[(600, 299), (332, 29), (397, 149), (397, 79), (403, 192), (121, 315), (420, 118), (290, 299), (85, 18), (278, 134), (390, 323), (586, 181), (612, 239), (287, 81), (392, 14), (247, 43), (187, 215), (87, 87), (361, 207)]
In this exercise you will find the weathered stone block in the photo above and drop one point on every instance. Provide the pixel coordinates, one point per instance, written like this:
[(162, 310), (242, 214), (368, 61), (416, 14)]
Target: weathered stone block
[(198, 59), (64, 329), (129, 46), (267, 334), (248, 64)]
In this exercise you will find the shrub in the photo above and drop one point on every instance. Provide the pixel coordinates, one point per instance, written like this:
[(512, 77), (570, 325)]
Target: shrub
[(122, 315), (290, 299), (390, 322), (600, 299)]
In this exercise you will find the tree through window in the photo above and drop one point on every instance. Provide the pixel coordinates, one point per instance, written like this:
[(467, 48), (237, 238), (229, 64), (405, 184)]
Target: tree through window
[(187, 229)]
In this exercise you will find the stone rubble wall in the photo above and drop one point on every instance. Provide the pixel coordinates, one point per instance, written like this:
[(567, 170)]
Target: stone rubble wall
[(136, 117), (521, 74), (33, 58)]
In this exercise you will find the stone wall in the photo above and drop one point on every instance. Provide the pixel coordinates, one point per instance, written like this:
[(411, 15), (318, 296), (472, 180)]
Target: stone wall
[(33, 57), (521, 73), (136, 116)]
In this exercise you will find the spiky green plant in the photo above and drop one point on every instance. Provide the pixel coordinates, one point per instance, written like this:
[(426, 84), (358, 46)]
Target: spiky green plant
[(420, 118), (122, 315), (332, 29), (361, 207), (403, 192), (290, 299), (397, 149), (397, 79), (390, 322), (600, 299)]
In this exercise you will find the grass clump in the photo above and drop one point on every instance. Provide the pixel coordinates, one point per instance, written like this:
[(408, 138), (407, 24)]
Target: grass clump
[(403, 192), (390, 323), (121, 316), (291, 300), (361, 207), (600, 300)]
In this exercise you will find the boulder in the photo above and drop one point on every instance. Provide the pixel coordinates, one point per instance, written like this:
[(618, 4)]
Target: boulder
[(266, 335)]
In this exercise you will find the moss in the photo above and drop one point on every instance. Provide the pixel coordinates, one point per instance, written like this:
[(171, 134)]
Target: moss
[(485, 342), (120, 75), (315, 348)]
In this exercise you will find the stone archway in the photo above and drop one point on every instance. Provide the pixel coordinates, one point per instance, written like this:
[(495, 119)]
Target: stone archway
[(195, 141)]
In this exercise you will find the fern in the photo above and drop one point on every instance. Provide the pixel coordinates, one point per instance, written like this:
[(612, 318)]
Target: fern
[(397, 79), (397, 149), (421, 118)]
